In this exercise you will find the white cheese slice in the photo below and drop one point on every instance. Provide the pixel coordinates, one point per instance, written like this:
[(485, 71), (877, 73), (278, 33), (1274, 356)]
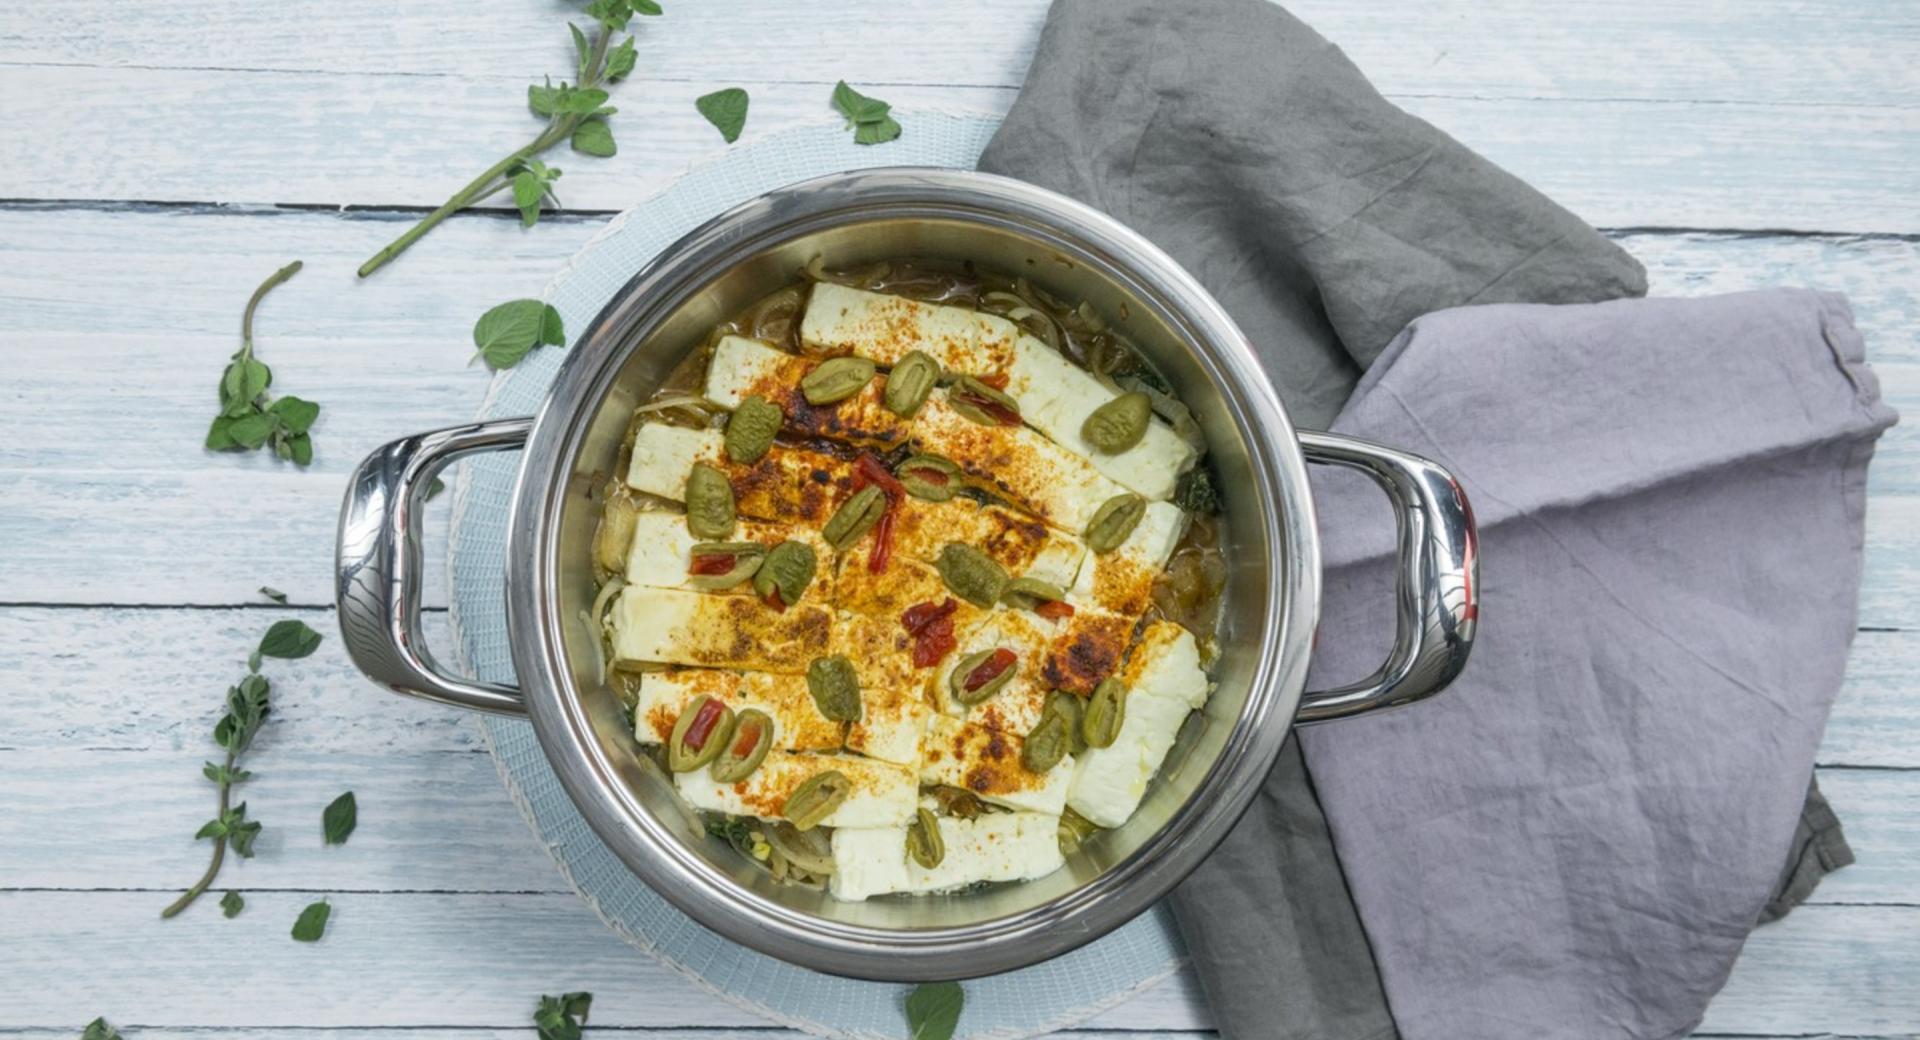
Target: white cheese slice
[(663, 456), (1121, 581), (742, 367), (786, 485), (994, 847), (842, 320), (739, 366), (1017, 706), (671, 626), (1056, 396), (1017, 462), (893, 715), (662, 551), (1165, 683), (880, 795), (797, 723), (977, 759)]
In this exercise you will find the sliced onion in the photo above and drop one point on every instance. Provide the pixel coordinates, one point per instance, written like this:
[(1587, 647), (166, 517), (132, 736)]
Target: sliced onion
[(810, 851)]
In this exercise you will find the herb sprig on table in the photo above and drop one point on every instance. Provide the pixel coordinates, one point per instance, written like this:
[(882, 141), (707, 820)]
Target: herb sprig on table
[(575, 112), (560, 1018), (100, 1029), (248, 417), (247, 706)]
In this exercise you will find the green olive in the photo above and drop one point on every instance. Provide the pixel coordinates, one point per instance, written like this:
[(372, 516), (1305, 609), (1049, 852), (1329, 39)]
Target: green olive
[(788, 570), (1028, 593), (835, 687), (1046, 744), (682, 755), (1106, 713), (1070, 709), (909, 383), (836, 379), (816, 799), (709, 503), (855, 516), (1114, 521), (971, 574), (929, 476), (970, 397), (751, 429), (924, 843), (1119, 424), (746, 748), (741, 558), (1074, 829), (991, 684)]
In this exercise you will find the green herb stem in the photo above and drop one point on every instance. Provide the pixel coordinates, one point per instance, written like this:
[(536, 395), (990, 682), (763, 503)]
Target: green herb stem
[(560, 128), (220, 843), (253, 304)]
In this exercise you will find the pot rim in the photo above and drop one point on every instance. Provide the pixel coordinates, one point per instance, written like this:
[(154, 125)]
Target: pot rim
[(678, 872)]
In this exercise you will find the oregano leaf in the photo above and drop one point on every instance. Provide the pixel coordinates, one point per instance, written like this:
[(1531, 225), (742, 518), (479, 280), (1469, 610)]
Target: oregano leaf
[(726, 110), (312, 922), (289, 639), (231, 904), (505, 333), (933, 1010), (339, 818), (594, 137)]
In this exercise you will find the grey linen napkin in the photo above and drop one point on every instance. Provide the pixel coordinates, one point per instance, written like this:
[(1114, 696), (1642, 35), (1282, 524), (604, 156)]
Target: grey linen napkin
[(1576, 838), (1325, 219)]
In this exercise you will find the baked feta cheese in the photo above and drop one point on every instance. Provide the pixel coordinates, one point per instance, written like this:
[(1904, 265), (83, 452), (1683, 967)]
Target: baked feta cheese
[(987, 762), (1016, 846), (1121, 581), (843, 320), (743, 368), (1021, 544), (893, 706), (1165, 682), (1017, 462), (797, 723), (880, 795), (1056, 396), (662, 550), (671, 626), (1016, 707), (786, 485)]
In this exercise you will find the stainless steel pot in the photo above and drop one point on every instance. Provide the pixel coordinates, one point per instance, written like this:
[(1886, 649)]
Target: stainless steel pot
[(1272, 593)]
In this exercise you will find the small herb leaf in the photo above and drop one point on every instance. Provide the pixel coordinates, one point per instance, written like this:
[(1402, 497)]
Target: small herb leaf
[(726, 110), (620, 60), (580, 50), (339, 819), (560, 1018), (273, 594), (289, 639), (231, 904), (933, 1010), (99, 1029), (594, 137), (505, 334), (312, 922)]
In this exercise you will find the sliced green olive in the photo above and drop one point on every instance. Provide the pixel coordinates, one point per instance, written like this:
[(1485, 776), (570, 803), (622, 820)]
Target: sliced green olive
[(746, 747), (982, 404), (971, 574), (1114, 521), (1046, 744), (835, 687), (1070, 709), (699, 734), (1119, 424), (1074, 829), (924, 843), (1028, 593), (929, 476), (816, 799), (710, 513), (909, 383), (1106, 713), (751, 429), (959, 802), (836, 379), (713, 566), (982, 674), (786, 572), (855, 516)]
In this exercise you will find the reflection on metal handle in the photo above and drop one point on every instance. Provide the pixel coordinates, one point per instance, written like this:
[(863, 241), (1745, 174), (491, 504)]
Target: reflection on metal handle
[(377, 579), (1437, 594)]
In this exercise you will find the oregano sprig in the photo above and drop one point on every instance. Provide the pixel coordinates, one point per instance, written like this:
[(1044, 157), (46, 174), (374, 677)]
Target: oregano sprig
[(248, 417), (247, 707), (560, 1018), (575, 112)]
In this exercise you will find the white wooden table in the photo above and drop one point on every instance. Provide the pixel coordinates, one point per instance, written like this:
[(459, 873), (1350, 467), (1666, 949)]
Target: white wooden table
[(162, 158)]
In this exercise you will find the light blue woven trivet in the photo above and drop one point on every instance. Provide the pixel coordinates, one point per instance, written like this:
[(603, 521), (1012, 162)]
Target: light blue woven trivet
[(1039, 999)]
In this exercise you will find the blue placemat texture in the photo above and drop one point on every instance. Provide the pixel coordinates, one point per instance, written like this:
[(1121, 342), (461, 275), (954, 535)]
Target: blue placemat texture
[(1036, 1000)]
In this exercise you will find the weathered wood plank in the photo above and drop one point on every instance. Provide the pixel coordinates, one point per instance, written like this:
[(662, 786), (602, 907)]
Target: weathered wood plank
[(307, 138), (1829, 51), (475, 961), (441, 822)]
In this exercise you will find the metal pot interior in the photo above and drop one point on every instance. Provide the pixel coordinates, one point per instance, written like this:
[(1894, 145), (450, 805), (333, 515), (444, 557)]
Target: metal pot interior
[(639, 340)]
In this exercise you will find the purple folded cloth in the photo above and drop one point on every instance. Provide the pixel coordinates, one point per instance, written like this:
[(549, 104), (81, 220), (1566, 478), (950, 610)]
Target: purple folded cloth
[(1576, 838)]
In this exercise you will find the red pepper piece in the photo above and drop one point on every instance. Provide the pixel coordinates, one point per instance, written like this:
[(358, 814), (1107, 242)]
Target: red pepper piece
[(703, 724), (932, 630), (711, 563), (1054, 609), (1000, 413), (745, 737), (988, 670)]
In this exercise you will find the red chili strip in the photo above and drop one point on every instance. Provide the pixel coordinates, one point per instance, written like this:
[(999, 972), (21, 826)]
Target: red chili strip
[(988, 670), (745, 738), (883, 538), (870, 467), (932, 630), (1054, 609), (772, 599), (710, 563), (998, 380), (1001, 413), (703, 724)]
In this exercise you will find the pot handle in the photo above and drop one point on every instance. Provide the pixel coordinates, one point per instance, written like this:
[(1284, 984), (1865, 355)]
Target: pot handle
[(1438, 587), (377, 571)]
